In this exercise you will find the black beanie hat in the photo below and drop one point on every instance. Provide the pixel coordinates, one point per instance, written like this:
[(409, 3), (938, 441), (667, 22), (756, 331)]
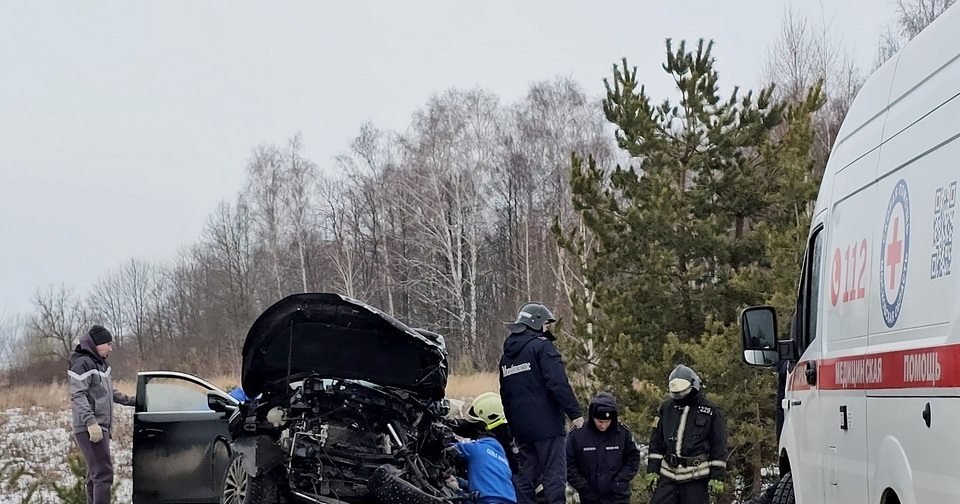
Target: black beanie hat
[(604, 413), (100, 335)]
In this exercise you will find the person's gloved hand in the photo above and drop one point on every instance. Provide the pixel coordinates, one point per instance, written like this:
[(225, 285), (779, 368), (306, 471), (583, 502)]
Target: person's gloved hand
[(578, 422), (96, 433), (651, 480), (716, 487), (452, 483)]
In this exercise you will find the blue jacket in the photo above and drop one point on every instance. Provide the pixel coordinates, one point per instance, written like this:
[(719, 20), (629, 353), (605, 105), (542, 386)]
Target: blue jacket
[(488, 472), (239, 394), (534, 387)]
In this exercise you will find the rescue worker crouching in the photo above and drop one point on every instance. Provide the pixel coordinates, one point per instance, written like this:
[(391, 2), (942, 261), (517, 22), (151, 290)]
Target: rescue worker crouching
[(489, 473), (602, 457), (688, 446), (486, 416)]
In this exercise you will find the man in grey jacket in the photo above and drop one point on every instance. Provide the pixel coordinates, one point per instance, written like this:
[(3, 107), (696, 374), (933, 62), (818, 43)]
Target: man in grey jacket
[(91, 399)]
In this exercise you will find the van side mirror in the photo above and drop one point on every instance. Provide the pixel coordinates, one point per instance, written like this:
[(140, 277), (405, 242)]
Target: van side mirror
[(758, 328), (787, 349)]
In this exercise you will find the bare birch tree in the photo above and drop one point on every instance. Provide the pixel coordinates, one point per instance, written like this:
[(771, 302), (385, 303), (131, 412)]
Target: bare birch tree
[(265, 190), (59, 320), (912, 17), (451, 151), (370, 175), (135, 289), (804, 54), (299, 183), (106, 301)]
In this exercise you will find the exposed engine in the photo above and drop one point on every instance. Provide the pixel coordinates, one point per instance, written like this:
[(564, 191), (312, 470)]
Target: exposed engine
[(330, 437)]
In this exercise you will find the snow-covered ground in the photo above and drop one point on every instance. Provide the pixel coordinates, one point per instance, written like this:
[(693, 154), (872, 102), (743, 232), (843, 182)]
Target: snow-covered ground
[(34, 444)]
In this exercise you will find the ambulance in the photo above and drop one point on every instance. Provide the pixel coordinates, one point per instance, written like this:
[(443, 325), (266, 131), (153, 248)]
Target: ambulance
[(872, 401)]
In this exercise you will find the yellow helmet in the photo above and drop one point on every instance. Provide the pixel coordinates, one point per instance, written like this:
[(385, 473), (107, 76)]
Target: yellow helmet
[(488, 408)]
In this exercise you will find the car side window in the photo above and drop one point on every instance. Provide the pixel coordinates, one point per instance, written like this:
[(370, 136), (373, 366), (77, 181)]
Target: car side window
[(809, 301), (172, 394)]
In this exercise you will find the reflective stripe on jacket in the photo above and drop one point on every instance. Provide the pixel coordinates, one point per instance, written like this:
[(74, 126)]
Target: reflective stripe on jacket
[(689, 441)]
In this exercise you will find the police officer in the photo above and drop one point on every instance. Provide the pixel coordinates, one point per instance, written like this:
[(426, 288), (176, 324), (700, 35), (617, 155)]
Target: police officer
[(688, 446), (602, 457), (536, 396)]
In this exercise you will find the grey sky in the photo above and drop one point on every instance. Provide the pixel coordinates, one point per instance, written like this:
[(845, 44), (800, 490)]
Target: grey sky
[(123, 124)]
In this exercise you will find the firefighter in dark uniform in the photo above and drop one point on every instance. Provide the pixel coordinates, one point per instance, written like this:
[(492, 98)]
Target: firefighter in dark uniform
[(688, 446), (602, 457), (536, 396)]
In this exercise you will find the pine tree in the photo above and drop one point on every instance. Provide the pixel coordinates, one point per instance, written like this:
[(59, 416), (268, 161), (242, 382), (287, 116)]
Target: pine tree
[(710, 217)]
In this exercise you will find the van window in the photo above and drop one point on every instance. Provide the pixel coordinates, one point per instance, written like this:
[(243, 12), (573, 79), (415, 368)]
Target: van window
[(809, 300), (816, 261)]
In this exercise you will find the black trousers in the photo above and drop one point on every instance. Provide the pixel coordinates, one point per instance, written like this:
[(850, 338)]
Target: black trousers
[(686, 492), (543, 462)]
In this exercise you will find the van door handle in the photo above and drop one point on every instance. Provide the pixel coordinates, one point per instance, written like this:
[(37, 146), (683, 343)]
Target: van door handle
[(795, 402), (811, 372)]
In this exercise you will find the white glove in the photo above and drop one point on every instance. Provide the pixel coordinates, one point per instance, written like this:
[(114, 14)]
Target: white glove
[(96, 433), (578, 422)]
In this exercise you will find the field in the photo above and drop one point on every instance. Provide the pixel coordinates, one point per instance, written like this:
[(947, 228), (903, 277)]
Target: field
[(36, 437)]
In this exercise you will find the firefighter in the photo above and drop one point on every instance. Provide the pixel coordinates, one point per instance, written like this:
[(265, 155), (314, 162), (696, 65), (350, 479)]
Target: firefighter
[(536, 397), (688, 446)]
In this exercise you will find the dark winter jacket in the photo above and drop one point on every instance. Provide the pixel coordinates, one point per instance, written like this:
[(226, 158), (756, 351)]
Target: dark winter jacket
[(534, 387), (600, 465), (783, 367), (91, 388), (699, 450), (472, 429)]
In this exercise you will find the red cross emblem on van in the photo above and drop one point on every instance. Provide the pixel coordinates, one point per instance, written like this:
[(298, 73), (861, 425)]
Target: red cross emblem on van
[(895, 253)]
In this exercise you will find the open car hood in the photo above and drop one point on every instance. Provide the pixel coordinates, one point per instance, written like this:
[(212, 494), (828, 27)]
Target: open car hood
[(337, 337)]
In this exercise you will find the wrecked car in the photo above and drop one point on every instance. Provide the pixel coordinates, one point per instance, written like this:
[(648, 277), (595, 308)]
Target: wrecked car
[(348, 407)]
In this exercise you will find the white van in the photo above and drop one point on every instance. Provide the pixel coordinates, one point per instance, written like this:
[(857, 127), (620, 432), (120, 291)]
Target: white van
[(872, 408)]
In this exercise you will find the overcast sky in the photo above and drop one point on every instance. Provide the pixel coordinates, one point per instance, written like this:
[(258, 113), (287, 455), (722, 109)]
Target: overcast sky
[(123, 124)]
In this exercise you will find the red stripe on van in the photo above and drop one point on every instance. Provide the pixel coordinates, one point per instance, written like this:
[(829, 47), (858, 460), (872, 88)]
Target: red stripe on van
[(934, 367)]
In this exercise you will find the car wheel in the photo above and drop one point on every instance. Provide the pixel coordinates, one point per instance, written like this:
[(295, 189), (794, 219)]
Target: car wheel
[(784, 493), (235, 483), (241, 488)]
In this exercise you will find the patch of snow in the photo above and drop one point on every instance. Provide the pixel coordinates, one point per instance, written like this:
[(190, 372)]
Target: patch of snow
[(34, 444)]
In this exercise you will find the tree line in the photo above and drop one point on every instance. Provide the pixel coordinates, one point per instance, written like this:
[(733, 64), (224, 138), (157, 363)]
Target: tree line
[(446, 226)]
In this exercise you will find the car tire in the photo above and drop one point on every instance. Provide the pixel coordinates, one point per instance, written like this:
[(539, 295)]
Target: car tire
[(241, 488), (784, 493)]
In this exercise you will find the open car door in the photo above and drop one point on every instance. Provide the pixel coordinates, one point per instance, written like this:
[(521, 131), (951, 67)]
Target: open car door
[(180, 446)]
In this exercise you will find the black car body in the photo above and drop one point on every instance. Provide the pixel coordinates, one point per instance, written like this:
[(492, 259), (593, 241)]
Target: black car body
[(348, 407)]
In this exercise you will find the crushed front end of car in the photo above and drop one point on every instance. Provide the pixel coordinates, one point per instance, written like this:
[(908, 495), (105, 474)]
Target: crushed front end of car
[(349, 407)]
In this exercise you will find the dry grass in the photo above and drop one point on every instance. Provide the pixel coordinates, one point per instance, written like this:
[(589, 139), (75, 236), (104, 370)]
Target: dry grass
[(467, 387), (48, 396), (54, 396)]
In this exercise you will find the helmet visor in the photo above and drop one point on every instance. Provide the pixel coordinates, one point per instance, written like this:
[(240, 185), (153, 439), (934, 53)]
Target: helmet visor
[(680, 388)]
